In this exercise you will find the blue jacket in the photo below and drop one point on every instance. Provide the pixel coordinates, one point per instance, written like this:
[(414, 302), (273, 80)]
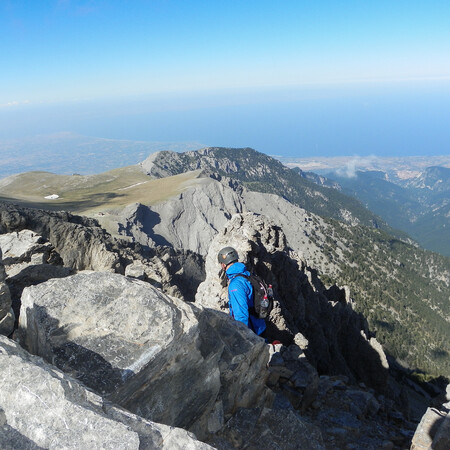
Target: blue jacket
[(240, 298)]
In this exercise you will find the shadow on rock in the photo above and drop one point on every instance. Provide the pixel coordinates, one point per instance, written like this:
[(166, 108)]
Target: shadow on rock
[(92, 369), (30, 276), (321, 321)]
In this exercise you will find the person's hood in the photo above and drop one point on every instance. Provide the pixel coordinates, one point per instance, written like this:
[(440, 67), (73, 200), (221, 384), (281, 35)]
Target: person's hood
[(236, 268)]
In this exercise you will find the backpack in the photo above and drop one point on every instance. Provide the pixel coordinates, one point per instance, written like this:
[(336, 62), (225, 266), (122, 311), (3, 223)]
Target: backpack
[(262, 296)]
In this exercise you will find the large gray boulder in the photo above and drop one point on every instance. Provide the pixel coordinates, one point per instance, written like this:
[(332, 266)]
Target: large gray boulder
[(41, 407), (433, 431), (157, 356)]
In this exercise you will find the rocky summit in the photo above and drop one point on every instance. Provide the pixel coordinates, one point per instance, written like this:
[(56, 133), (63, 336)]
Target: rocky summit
[(123, 339)]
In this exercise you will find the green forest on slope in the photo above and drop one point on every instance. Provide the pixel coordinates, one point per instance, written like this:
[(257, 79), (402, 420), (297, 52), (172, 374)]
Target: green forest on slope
[(401, 289), (422, 212)]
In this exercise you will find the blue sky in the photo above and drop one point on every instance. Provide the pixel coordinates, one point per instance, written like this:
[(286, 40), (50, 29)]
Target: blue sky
[(292, 77)]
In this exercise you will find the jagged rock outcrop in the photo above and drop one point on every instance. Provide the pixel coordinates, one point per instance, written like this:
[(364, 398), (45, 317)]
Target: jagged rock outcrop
[(337, 338), (83, 245), (189, 220), (80, 242), (29, 260), (6, 313), (41, 407), (25, 245), (129, 342)]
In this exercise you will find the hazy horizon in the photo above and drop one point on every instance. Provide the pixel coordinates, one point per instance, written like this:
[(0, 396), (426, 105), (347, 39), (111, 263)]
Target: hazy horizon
[(376, 119), (296, 79)]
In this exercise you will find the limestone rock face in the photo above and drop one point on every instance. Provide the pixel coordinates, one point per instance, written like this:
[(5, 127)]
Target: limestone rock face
[(338, 339), (79, 241), (20, 246), (188, 221), (156, 170), (128, 341), (192, 220), (41, 407), (6, 313), (433, 431)]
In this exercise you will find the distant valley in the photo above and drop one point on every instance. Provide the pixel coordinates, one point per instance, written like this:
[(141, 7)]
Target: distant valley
[(410, 194)]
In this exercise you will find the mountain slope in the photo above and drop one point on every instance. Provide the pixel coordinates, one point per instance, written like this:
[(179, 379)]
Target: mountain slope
[(434, 179), (259, 172), (401, 289), (92, 193)]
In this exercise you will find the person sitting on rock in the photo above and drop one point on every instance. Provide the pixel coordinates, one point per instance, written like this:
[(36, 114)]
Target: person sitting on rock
[(240, 291)]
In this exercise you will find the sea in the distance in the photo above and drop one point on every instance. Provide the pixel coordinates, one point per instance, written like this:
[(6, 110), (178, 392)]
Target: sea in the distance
[(381, 119)]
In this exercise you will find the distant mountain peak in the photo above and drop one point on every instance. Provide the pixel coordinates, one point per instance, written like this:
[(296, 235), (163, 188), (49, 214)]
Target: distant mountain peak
[(260, 172)]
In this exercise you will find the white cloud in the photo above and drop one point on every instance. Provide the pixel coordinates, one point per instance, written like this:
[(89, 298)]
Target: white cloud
[(352, 166), (14, 103)]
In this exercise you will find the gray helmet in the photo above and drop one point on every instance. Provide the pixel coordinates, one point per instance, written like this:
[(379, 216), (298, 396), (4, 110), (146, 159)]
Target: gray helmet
[(227, 255)]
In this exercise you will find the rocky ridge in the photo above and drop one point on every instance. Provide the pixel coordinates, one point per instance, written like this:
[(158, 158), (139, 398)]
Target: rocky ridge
[(79, 243), (130, 355), (262, 173), (188, 221)]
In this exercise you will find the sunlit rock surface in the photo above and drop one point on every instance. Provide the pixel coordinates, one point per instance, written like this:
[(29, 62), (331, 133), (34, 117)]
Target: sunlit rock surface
[(41, 407), (129, 342)]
